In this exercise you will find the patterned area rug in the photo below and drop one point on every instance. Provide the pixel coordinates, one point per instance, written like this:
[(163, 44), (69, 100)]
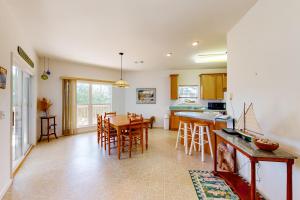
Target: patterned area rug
[(209, 187)]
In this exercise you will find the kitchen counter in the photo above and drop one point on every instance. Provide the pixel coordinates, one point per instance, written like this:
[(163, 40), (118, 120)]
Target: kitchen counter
[(207, 116)]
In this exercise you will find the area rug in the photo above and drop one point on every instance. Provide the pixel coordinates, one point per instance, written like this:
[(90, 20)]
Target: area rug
[(209, 187)]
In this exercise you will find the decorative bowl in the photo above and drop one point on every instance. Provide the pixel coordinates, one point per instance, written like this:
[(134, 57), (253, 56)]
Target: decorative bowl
[(266, 144)]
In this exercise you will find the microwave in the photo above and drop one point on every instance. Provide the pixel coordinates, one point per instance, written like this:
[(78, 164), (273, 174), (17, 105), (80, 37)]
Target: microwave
[(216, 106)]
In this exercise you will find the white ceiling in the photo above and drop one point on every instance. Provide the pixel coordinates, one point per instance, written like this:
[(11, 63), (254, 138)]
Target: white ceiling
[(94, 31)]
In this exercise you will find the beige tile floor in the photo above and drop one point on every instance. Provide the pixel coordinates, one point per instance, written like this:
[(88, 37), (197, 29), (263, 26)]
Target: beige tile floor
[(75, 168)]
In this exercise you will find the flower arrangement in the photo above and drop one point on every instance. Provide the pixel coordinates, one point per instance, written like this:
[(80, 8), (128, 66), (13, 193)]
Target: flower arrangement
[(44, 105)]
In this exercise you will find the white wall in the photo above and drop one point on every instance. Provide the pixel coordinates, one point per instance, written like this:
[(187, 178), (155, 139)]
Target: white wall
[(161, 81), (52, 88), (10, 38), (264, 68)]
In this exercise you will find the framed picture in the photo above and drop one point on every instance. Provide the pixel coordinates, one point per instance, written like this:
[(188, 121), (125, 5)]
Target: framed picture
[(146, 95), (3, 74)]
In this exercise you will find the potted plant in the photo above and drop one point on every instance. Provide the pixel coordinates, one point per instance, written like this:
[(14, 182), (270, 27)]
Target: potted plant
[(45, 105)]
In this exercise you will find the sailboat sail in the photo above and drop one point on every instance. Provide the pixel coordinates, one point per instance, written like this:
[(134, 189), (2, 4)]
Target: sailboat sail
[(252, 125), (248, 123)]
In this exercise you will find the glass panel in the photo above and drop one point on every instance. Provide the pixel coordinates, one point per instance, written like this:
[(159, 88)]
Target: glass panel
[(17, 113), (25, 112), (101, 94), (82, 93), (82, 115)]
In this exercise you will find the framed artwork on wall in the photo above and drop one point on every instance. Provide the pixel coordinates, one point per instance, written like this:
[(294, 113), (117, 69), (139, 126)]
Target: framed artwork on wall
[(146, 95), (3, 74)]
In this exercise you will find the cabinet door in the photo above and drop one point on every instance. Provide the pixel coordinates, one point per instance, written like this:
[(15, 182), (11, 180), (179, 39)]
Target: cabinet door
[(208, 86), (174, 86), (219, 86), (225, 82)]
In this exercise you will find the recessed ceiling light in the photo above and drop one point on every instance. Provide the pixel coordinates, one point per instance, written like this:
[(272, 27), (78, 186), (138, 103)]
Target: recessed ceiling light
[(196, 43), (169, 54)]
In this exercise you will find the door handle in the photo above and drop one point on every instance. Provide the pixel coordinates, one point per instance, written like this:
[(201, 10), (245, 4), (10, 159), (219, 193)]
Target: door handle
[(13, 118)]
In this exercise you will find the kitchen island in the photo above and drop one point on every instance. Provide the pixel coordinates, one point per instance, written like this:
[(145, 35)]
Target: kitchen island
[(210, 118)]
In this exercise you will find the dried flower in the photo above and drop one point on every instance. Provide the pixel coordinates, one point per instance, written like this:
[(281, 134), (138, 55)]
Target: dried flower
[(45, 104)]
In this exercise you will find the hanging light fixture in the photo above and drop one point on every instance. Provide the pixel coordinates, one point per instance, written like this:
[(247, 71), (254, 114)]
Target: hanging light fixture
[(121, 83), (48, 71), (44, 75)]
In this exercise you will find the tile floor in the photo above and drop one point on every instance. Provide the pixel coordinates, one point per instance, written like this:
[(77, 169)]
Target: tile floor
[(75, 168)]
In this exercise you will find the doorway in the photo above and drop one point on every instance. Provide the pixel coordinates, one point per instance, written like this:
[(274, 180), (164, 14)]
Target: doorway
[(21, 110)]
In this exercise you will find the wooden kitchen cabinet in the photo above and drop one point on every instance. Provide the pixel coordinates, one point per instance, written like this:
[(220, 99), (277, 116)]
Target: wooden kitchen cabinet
[(213, 86), (174, 86)]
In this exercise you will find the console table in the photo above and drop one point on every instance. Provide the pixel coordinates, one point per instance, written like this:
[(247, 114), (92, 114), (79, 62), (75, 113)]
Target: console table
[(239, 185), (51, 127)]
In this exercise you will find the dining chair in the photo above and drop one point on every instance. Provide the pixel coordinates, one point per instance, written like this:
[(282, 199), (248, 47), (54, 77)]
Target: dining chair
[(109, 134), (110, 114), (134, 133)]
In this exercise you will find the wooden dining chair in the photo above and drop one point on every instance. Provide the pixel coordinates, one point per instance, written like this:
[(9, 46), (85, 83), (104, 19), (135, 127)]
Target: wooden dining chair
[(109, 134), (100, 135), (109, 114), (134, 133)]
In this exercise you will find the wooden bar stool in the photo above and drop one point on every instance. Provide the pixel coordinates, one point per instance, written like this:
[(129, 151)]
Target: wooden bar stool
[(184, 127), (199, 130)]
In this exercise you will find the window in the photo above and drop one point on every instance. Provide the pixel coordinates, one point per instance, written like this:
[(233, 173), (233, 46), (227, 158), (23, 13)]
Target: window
[(188, 92), (92, 99)]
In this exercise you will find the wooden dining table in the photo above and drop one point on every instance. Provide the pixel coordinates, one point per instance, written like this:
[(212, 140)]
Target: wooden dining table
[(121, 122)]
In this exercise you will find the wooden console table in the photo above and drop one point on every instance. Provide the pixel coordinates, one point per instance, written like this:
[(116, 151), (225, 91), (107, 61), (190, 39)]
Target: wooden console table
[(51, 127), (255, 155)]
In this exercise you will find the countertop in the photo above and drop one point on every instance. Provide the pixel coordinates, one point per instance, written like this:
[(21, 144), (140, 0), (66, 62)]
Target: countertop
[(208, 116), (193, 108)]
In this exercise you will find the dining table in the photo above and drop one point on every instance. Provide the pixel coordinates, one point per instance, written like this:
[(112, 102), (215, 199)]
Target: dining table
[(122, 122)]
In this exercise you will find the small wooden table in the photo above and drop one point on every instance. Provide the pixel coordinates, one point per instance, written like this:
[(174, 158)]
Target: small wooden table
[(255, 155), (121, 122), (50, 127)]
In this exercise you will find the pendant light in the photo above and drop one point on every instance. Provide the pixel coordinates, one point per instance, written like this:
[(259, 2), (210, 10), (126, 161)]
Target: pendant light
[(48, 71), (44, 76), (121, 83)]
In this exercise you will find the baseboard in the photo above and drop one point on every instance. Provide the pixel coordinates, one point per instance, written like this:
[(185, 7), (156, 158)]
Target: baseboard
[(5, 188)]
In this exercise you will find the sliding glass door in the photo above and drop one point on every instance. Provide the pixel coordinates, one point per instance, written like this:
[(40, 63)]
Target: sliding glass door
[(20, 112)]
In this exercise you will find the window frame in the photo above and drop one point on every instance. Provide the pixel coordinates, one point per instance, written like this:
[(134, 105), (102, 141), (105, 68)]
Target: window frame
[(197, 96)]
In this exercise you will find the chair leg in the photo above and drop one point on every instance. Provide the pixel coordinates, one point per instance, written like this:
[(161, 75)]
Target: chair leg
[(185, 138), (202, 143), (142, 141), (130, 145), (193, 140), (123, 143), (178, 135), (108, 139), (192, 130), (104, 141), (209, 141), (199, 139)]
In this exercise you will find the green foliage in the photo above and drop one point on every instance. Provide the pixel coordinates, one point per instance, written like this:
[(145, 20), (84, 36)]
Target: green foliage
[(101, 94)]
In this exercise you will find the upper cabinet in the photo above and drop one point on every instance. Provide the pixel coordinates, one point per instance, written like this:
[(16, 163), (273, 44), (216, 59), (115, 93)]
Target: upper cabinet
[(213, 86), (174, 86)]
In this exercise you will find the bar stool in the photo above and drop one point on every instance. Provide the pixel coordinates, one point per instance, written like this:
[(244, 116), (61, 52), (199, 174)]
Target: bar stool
[(185, 127), (201, 142)]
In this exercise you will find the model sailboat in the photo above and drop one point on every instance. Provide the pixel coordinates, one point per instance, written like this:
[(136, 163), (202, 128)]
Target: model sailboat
[(247, 125)]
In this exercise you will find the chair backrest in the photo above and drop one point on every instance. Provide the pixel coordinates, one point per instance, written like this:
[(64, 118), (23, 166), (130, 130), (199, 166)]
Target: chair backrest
[(99, 122), (129, 115), (106, 125), (110, 114), (136, 123)]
